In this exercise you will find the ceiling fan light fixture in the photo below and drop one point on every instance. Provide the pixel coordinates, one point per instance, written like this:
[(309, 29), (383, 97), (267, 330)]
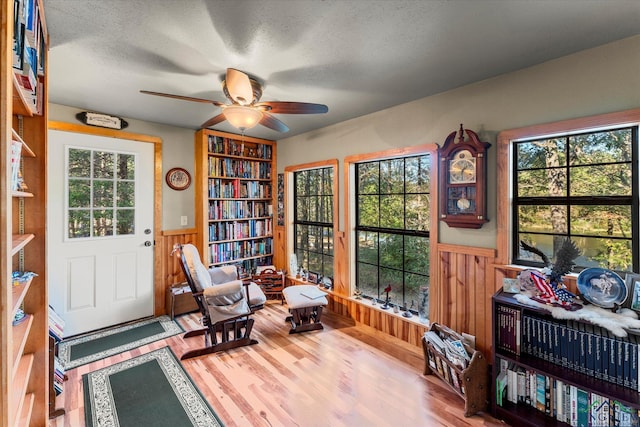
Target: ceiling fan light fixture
[(242, 117)]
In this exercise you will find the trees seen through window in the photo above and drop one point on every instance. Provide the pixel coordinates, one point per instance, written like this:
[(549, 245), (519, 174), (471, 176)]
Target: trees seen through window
[(582, 186)]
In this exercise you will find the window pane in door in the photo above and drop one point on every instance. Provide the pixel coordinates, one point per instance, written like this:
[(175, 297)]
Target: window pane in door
[(79, 163), (79, 193), (126, 166), (103, 163), (79, 223), (126, 194), (103, 223), (125, 223), (102, 194)]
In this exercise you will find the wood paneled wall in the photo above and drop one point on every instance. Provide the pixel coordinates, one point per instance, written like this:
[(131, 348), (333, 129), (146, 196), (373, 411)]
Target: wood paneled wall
[(279, 247), (170, 271), (461, 293)]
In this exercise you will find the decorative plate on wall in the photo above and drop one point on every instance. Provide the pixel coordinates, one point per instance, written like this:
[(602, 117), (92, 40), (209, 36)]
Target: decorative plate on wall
[(178, 179)]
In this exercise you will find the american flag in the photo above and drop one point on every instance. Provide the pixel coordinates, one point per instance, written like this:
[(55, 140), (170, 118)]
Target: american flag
[(551, 292)]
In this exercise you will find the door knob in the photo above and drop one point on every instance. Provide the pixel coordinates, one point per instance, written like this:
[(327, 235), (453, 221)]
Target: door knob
[(147, 243)]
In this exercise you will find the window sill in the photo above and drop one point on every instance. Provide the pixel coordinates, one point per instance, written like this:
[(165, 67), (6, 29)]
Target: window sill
[(389, 312)]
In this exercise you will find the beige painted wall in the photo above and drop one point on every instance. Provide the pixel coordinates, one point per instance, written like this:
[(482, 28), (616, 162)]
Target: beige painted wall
[(177, 151), (599, 80)]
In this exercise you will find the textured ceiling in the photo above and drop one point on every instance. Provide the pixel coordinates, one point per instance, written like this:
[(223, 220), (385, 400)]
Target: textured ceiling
[(355, 56)]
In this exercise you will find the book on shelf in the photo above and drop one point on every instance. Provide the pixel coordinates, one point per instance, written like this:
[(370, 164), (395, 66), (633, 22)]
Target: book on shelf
[(582, 400), (16, 150), (501, 388), (222, 145)]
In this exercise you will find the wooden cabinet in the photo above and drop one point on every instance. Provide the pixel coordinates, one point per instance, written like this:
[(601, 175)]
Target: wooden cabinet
[(24, 348), (235, 183), (180, 300), (549, 371)]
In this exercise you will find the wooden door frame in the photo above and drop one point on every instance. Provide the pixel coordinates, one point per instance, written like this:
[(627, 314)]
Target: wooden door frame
[(158, 287)]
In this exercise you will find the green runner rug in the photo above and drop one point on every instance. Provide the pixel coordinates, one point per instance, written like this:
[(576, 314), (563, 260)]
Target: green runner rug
[(149, 390), (89, 348)]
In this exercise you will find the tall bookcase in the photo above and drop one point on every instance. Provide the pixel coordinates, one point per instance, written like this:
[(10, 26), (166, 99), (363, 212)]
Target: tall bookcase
[(24, 348), (235, 198), (549, 371)]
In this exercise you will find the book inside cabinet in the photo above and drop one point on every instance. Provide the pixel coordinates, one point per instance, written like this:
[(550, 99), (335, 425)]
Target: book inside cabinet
[(470, 381), (549, 371), (235, 182)]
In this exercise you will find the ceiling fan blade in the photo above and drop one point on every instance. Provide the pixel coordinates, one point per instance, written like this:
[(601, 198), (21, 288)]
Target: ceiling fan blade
[(272, 123), (282, 107), (184, 98), (213, 121), (239, 86)]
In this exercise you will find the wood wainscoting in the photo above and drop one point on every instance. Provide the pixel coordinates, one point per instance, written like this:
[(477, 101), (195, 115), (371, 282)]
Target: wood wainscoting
[(461, 294), (388, 322), (460, 298), (170, 271)]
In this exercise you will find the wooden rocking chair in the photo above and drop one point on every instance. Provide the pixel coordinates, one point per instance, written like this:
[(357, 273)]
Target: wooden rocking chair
[(223, 301)]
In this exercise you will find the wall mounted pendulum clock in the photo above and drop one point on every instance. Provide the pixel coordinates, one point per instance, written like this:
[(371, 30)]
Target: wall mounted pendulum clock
[(463, 180)]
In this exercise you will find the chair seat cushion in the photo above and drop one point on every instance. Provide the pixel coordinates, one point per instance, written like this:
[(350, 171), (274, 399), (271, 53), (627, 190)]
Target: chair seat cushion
[(302, 296), (256, 296)]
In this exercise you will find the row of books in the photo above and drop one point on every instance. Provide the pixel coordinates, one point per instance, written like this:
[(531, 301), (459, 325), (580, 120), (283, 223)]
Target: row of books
[(562, 401), (56, 328), (239, 189), (58, 376), (584, 348), (56, 325), (233, 168), (507, 324), (227, 252), (240, 230), (232, 147), (248, 266), (240, 209), (28, 50)]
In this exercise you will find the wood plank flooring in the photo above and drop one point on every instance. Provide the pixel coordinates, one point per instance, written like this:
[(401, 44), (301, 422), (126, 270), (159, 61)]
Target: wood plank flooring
[(345, 375)]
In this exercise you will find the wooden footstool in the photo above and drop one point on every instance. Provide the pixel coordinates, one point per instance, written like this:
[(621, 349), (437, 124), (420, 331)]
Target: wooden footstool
[(305, 305)]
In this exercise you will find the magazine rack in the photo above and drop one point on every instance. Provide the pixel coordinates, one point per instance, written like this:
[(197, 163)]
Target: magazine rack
[(469, 383)]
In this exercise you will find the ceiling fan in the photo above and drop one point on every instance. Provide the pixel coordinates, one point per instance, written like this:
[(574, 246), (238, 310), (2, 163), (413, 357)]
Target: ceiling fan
[(246, 110)]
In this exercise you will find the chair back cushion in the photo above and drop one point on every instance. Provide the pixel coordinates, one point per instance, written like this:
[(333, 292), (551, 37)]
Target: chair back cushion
[(199, 273), (224, 274)]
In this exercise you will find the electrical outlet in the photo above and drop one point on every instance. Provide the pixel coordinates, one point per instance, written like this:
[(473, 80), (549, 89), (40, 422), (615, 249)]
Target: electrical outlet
[(183, 220)]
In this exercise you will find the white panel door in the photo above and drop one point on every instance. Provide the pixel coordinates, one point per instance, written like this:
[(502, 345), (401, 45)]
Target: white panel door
[(100, 230)]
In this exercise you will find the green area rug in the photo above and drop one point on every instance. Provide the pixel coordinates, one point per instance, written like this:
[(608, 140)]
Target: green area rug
[(89, 348), (149, 390)]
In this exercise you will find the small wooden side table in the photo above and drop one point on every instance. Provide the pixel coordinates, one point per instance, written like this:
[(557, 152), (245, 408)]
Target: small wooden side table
[(180, 300), (271, 282)]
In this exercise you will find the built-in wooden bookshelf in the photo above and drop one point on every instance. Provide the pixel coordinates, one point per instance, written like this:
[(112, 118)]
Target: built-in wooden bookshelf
[(549, 371), (24, 349), (235, 185)]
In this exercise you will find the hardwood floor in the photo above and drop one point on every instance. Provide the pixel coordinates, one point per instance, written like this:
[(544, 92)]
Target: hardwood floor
[(345, 375)]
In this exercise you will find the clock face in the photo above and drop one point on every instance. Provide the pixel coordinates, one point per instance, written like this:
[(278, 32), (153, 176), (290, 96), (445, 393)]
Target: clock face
[(462, 168), (178, 179)]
